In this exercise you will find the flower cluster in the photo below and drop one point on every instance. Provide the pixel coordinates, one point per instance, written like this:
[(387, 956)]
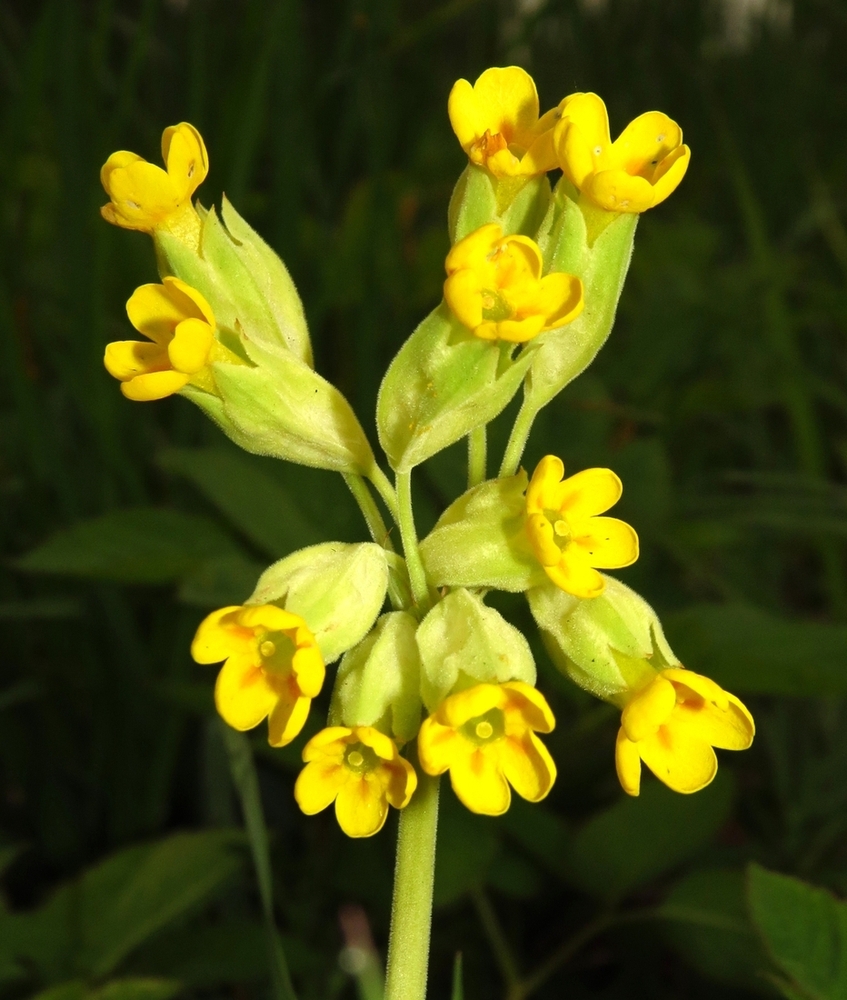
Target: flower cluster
[(441, 682)]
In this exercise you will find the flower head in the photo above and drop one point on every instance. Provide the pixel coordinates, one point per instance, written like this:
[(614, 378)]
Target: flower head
[(273, 668), (565, 533), (143, 196), (180, 325), (672, 725), (635, 172), (495, 288), (496, 121), (485, 737), (360, 770)]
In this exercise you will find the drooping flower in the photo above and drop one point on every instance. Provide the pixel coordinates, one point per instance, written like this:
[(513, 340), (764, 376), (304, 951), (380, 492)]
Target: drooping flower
[(180, 325), (495, 288), (672, 725), (485, 737), (272, 670), (146, 197), (359, 769), (568, 538), (641, 168), (496, 121)]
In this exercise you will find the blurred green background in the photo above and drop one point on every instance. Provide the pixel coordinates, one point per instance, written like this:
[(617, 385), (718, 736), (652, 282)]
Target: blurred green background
[(720, 399)]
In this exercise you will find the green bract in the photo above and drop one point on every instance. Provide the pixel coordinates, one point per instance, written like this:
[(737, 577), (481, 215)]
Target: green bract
[(462, 643), (337, 589), (609, 645), (518, 203), (378, 682), (480, 541), (442, 384)]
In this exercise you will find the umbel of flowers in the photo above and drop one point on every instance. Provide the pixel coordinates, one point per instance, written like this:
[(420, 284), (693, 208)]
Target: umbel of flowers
[(431, 680)]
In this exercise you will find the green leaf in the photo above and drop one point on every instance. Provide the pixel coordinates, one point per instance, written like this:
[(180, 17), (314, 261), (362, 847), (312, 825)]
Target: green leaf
[(805, 931), (708, 924), (117, 989), (638, 839), (216, 583), (746, 650), (256, 503), (457, 993), (135, 545)]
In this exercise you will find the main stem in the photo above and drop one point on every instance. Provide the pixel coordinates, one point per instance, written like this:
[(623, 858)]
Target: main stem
[(411, 908), (518, 439), (477, 454)]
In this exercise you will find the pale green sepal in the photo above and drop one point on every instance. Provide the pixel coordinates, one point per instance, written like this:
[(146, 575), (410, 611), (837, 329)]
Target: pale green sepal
[(378, 682), (519, 204), (283, 408), (442, 384), (337, 589), (480, 540), (609, 645), (562, 354), (462, 643), (273, 281)]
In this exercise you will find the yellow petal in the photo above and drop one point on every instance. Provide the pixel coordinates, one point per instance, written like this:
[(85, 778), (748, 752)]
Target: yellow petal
[(269, 618), (184, 152), (531, 706), (682, 762), (648, 710), (575, 575), (587, 493), (219, 636), (472, 251), (588, 113), (669, 173), (439, 746), (560, 299), (618, 191), (117, 161), (156, 385), (627, 764), (607, 542), (402, 783), (189, 349), (383, 746), (519, 258), (157, 310), (328, 744), (318, 784), (479, 784), (527, 765), (543, 490), (729, 729), (644, 143), (517, 331), (508, 102), (466, 114), (703, 686), (360, 809), (463, 294), (190, 301), (142, 194), (541, 155), (308, 668), (456, 710), (242, 695), (288, 716), (127, 358)]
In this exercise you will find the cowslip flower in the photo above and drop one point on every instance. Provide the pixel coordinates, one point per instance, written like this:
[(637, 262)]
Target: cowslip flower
[(272, 670), (567, 537), (358, 768), (672, 725), (485, 737), (180, 325), (495, 288), (496, 121), (641, 168), (146, 197)]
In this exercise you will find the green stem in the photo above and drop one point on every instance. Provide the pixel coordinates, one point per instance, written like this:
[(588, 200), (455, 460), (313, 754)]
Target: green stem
[(385, 490), (411, 908), (408, 533), (518, 439), (497, 939), (477, 455), (370, 511)]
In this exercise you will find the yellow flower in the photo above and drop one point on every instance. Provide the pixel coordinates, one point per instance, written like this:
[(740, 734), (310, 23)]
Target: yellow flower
[(145, 197), (485, 737), (359, 769), (496, 121), (181, 327), (273, 668), (635, 172), (672, 725), (494, 287), (565, 533)]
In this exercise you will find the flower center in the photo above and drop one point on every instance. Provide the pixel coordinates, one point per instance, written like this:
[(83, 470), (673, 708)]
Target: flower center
[(494, 306), (561, 527), (485, 728), (277, 650), (359, 758)]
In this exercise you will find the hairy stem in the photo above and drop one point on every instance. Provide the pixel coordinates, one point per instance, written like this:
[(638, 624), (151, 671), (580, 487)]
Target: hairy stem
[(411, 908), (371, 513), (517, 439), (477, 455), (408, 533), (385, 490)]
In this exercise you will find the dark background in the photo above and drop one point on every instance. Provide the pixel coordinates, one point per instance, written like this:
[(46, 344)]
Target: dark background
[(720, 399)]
